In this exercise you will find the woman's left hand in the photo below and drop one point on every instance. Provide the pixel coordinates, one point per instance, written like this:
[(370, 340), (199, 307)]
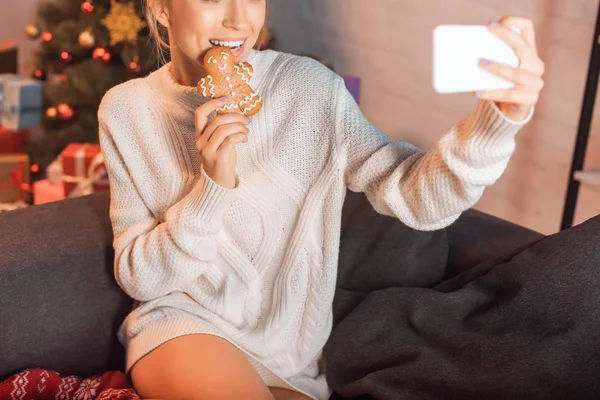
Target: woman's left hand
[(516, 103)]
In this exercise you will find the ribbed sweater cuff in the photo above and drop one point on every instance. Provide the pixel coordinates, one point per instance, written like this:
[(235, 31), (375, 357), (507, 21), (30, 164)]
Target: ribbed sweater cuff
[(199, 213), (489, 125), (485, 136), (208, 200)]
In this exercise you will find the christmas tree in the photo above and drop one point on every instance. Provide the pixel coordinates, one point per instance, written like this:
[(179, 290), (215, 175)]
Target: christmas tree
[(85, 49)]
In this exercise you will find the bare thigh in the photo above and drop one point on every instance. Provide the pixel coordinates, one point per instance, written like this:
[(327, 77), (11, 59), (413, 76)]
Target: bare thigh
[(198, 367)]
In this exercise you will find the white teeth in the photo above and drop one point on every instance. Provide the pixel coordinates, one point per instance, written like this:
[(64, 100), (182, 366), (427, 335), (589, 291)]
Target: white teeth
[(232, 45)]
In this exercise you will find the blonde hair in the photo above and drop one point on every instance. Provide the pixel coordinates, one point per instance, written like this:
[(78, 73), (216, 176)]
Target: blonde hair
[(160, 35)]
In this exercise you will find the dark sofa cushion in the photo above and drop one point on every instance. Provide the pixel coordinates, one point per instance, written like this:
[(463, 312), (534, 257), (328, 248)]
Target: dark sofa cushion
[(476, 237), (521, 326), (371, 243), (59, 304)]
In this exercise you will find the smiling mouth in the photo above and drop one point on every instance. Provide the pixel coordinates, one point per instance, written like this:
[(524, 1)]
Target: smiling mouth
[(233, 45)]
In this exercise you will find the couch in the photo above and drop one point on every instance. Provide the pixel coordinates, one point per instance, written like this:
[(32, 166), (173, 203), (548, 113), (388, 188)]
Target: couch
[(60, 306)]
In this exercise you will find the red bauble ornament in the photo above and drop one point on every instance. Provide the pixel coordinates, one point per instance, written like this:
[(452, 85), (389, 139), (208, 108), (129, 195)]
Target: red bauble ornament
[(39, 74), (46, 37), (87, 7), (65, 111), (66, 56), (102, 55), (106, 57), (98, 53), (135, 67)]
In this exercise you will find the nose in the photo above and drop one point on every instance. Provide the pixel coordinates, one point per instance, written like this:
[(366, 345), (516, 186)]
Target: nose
[(236, 16)]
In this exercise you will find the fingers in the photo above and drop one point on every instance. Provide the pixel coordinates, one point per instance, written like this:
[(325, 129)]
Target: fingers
[(230, 141), (517, 95), (225, 133), (525, 25), (203, 112), (222, 120), (519, 76), (525, 51)]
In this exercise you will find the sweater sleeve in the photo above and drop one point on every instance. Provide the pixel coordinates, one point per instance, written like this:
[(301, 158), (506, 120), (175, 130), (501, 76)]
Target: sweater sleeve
[(425, 190), (154, 258)]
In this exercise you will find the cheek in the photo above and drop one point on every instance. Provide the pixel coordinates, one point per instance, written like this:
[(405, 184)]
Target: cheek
[(191, 26), (257, 16)]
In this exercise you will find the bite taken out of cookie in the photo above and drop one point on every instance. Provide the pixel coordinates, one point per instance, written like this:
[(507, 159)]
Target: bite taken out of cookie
[(227, 79)]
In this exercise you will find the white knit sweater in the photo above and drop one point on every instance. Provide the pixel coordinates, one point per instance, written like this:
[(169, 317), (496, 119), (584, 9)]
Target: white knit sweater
[(257, 264)]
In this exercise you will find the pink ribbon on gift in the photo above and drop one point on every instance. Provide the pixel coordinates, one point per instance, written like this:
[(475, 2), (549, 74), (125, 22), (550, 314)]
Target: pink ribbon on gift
[(95, 175), (12, 206)]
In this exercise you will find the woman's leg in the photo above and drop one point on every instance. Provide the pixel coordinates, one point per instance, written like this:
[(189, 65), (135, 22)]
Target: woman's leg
[(202, 367)]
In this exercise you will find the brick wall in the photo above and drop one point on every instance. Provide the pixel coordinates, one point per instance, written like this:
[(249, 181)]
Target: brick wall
[(388, 44)]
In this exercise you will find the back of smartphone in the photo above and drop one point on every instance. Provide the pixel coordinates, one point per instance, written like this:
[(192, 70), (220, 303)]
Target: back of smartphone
[(457, 50)]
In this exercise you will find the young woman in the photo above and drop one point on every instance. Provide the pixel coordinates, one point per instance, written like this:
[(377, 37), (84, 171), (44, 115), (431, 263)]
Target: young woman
[(227, 229)]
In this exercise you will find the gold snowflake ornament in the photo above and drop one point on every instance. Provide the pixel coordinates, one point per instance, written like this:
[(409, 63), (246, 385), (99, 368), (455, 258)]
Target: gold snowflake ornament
[(122, 23)]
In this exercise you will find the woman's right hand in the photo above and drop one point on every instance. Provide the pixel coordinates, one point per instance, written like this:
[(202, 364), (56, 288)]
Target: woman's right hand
[(216, 142)]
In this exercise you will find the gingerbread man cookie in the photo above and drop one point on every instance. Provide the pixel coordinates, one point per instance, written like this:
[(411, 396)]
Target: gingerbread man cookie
[(226, 78)]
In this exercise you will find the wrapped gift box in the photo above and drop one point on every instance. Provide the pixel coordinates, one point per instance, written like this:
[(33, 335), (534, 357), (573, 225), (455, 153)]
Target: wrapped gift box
[(12, 141), (83, 170), (4, 79), (45, 191), (353, 85), (15, 178), (8, 57), (20, 102)]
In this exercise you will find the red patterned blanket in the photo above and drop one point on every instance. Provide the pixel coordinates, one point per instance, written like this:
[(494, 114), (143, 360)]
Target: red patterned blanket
[(41, 384)]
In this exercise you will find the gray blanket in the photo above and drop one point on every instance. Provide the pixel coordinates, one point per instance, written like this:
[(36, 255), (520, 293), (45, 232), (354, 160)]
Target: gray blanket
[(522, 326)]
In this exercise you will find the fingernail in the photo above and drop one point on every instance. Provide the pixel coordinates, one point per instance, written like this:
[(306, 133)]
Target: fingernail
[(485, 62), (478, 93), (248, 119), (494, 24), (224, 99)]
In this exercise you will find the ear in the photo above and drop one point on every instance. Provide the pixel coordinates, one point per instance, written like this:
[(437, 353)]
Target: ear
[(160, 11)]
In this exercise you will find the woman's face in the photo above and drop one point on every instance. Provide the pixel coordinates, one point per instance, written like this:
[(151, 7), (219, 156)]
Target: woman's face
[(197, 25)]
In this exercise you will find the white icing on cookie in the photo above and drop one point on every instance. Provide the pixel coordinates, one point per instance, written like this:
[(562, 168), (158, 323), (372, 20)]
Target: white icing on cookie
[(248, 99), (228, 107), (246, 69), (211, 85), (241, 74), (253, 105)]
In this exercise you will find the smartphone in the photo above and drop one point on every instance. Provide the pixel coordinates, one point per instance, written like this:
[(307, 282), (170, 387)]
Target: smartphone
[(457, 50)]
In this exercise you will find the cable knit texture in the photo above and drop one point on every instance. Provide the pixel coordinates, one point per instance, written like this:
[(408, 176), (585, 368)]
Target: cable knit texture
[(257, 264)]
